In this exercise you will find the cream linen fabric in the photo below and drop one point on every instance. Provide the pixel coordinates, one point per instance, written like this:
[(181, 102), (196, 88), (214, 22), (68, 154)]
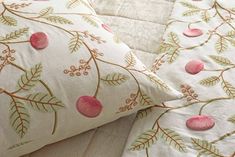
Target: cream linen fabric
[(45, 89), (161, 131)]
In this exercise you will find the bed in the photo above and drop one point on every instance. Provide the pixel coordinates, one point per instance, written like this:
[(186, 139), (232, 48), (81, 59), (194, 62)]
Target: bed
[(161, 131), (133, 28)]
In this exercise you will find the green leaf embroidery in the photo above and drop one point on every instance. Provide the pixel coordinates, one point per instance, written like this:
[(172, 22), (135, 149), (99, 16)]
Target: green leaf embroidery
[(19, 117), (115, 79), (30, 78), (173, 38), (58, 19), (18, 145), (172, 55), (7, 20), (189, 5), (145, 140), (44, 102), (205, 16), (221, 60), (75, 43), (73, 3), (210, 81), (205, 148), (89, 19), (191, 12), (14, 35), (166, 47), (228, 88), (231, 34), (221, 45), (130, 59), (47, 11), (143, 113), (160, 84), (232, 119), (173, 139), (145, 100)]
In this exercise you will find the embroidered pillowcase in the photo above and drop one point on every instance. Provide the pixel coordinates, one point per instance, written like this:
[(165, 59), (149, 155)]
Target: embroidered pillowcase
[(62, 73)]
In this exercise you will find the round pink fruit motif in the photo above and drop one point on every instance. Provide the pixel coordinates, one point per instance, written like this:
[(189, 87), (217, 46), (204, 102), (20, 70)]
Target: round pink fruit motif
[(89, 106), (39, 40), (107, 28), (194, 32), (200, 123), (194, 66)]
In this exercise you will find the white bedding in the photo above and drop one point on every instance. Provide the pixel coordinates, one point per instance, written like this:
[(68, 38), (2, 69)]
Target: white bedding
[(140, 24)]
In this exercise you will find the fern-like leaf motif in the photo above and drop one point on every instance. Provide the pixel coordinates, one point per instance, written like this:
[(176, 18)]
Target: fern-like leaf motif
[(75, 43), (228, 88), (7, 20), (19, 117), (221, 45), (221, 60), (160, 84), (130, 59), (30, 78), (143, 113), (14, 35), (232, 119), (205, 148), (173, 139), (89, 19), (115, 79), (210, 81), (145, 140), (58, 19), (145, 100), (44, 102)]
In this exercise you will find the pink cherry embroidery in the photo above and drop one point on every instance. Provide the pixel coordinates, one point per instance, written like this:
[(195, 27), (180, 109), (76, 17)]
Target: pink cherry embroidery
[(89, 106), (200, 123), (107, 28), (39, 40), (194, 32), (194, 66)]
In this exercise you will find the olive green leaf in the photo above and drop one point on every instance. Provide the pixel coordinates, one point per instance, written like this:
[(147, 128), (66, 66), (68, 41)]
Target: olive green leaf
[(143, 113), (19, 145), (231, 34), (75, 43), (89, 19), (228, 88), (221, 60), (173, 38), (232, 119), (191, 12), (7, 20), (221, 45), (173, 139), (172, 55), (145, 140), (14, 35), (144, 99), (44, 102), (160, 84), (47, 11), (115, 79), (19, 117), (57, 19), (166, 47), (30, 78), (205, 148), (130, 59), (210, 81), (205, 16), (189, 5)]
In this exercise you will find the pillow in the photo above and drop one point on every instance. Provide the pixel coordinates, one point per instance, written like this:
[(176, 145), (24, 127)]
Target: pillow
[(62, 72)]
